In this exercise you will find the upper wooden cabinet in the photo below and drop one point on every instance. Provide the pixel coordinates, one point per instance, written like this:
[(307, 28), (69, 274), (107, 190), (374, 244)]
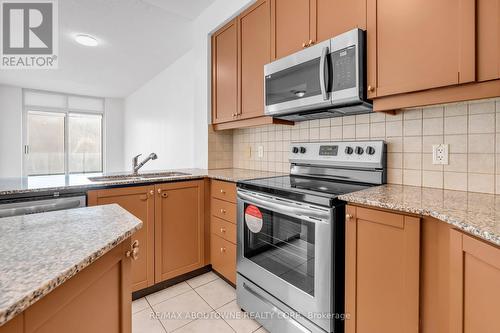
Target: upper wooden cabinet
[(254, 52), (488, 39), (474, 285), (297, 24), (179, 228), (415, 45), (293, 25), (225, 73), (334, 17), (140, 202), (382, 271)]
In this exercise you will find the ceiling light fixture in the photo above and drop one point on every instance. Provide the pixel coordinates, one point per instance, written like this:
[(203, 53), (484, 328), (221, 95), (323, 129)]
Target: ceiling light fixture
[(86, 40)]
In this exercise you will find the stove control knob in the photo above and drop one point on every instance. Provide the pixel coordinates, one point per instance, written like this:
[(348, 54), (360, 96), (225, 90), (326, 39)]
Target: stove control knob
[(370, 150), (359, 150), (295, 150), (302, 150), (348, 150)]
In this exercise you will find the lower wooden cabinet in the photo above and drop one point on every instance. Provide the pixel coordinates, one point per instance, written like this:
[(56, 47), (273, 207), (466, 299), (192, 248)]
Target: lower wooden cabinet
[(382, 272), (140, 201), (474, 285), (171, 240), (97, 300), (179, 228), (223, 255)]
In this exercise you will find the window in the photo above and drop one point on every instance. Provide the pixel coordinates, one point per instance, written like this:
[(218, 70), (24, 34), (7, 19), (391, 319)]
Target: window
[(62, 134)]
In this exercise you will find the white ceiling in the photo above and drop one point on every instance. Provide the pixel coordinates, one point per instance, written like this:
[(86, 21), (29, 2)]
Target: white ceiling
[(138, 39)]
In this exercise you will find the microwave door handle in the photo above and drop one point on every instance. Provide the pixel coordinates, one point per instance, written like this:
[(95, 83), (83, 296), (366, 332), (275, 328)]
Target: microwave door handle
[(322, 65)]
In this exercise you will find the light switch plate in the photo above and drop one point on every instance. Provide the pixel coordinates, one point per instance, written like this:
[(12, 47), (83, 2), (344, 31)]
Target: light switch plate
[(440, 154)]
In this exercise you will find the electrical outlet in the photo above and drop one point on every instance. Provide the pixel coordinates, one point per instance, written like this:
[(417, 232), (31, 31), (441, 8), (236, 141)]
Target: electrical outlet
[(440, 154), (260, 151)]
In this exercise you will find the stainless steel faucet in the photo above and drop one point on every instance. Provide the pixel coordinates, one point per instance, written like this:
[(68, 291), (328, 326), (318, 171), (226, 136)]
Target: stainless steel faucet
[(136, 165)]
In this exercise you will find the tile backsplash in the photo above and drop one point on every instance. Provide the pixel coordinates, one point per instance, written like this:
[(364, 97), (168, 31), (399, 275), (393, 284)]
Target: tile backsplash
[(471, 129)]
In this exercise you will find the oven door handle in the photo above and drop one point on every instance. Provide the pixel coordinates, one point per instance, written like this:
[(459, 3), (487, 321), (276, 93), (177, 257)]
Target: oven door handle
[(322, 65), (310, 214)]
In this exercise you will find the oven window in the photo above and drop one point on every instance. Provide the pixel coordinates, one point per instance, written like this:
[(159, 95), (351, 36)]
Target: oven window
[(293, 83), (282, 245)]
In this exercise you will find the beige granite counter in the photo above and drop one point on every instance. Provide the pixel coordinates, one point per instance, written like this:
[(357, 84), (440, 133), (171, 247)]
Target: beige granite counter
[(475, 213), (28, 185), (40, 252)]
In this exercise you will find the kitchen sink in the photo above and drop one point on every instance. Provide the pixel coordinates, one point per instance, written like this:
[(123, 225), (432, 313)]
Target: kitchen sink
[(138, 177)]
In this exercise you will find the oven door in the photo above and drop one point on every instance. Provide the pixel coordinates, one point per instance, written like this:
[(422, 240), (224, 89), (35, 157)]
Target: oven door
[(285, 248), (298, 82)]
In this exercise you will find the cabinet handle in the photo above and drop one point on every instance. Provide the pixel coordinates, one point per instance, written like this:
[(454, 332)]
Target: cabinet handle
[(134, 251), (143, 197), (159, 191), (304, 45), (164, 195), (222, 230), (223, 211), (348, 217), (371, 88), (311, 42), (222, 191), (151, 192), (222, 249)]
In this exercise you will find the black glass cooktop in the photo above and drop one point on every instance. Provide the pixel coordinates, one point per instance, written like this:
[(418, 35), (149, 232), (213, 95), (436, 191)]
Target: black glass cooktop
[(314, 190)]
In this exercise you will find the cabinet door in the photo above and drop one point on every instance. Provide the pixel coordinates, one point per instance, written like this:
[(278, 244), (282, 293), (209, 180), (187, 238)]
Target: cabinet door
[(292, 24), (334, 17), (97, 300), (474, 285), (140, 202), (488, 40), (179, 228), (225, 73), (416, 45), (255, 51), (382, 272)]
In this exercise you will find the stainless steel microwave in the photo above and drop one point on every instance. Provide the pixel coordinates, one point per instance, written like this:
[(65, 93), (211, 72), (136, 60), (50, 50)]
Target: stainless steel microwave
[(322, 81)]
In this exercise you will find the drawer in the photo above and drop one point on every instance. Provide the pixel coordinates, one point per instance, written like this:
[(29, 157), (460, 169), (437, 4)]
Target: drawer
[(223, 229), (223, 190), (223, 255), (224, 210)]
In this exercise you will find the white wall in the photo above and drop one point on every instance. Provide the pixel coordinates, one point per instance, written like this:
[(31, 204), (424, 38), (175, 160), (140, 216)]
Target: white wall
[(11, 139), (114, 109), (159, 118)]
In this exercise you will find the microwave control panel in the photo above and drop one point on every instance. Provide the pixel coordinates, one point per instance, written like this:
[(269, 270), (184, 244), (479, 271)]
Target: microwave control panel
[(344, 68)]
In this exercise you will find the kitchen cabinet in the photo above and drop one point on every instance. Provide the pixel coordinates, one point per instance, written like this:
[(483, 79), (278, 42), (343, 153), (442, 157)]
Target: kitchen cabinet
[(239, 52), (488, 39), (334, 17), (223, 229), (415, 45), (382, 271), (254, 52), (474, 285), (293, 25), (179, 228), (139, 201), (225, 73), (97, 299)]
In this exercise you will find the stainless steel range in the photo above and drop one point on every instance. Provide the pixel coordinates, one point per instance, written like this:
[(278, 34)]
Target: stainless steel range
[(290, 259)]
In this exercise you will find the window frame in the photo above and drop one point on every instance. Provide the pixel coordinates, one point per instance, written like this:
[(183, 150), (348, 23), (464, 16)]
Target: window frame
[(66, 111)]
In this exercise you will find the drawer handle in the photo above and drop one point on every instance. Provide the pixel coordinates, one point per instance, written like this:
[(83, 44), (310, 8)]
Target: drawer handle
[(223, 211), (223, 230), (222, 250), (134, 251), (222, 191), (348, 217)]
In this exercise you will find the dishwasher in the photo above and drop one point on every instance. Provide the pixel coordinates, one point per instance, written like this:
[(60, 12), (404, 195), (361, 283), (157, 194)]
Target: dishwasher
[(48, 202)]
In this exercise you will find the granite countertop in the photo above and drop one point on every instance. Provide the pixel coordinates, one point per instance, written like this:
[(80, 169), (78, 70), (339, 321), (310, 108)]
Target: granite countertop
[(40, 252), (22, 185), (475, 213)]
